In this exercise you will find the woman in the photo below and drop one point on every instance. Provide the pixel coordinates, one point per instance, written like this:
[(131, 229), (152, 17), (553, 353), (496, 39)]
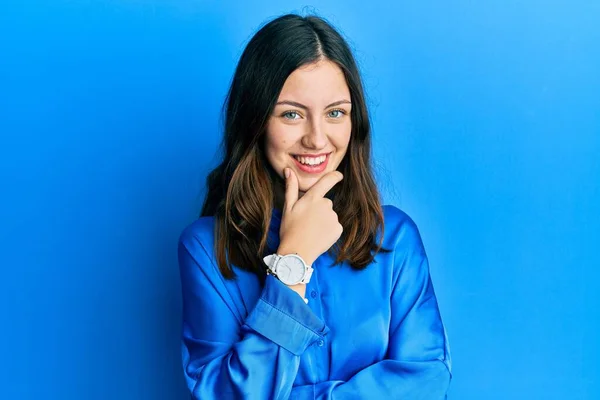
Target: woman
[(292, 288)]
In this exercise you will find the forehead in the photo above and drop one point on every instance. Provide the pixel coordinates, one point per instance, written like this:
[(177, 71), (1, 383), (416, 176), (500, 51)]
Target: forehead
[(320, 82)]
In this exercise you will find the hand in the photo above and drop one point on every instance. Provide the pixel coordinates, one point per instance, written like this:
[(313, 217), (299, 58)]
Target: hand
[(309, 226)]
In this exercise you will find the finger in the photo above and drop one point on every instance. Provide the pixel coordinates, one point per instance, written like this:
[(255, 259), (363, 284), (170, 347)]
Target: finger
[(325, 184), (291, 190)]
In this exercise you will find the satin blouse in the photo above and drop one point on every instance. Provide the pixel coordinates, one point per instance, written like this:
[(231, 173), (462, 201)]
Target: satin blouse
[(370, 334)]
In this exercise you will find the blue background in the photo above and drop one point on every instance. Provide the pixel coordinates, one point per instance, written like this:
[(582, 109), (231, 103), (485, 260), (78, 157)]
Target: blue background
[(486, 121)]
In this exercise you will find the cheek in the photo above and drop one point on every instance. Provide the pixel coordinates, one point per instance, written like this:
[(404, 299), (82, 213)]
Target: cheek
[(277, 143), (276, 147), (341, 138), (280, 138)]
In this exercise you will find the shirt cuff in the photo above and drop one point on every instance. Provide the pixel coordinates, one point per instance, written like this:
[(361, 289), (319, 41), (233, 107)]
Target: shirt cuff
[(281, 316)]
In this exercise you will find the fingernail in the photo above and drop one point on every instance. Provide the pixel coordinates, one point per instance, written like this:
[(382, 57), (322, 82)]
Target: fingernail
[(287, 172)]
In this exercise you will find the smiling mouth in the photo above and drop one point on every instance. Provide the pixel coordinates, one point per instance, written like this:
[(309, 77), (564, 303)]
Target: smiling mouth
[(311, 161)]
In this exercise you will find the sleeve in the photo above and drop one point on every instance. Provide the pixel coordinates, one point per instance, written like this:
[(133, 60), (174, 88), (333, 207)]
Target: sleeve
[(418, 363), (225, 357)]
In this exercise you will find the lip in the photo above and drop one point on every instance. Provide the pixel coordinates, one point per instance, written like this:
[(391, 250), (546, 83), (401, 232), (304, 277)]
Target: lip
[(310, 169), (311, 155)]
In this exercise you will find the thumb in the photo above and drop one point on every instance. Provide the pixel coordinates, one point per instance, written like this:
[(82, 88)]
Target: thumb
[(291, 189)]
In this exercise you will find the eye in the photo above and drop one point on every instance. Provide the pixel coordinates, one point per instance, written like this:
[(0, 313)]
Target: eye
[(337, 113), (291, 115)]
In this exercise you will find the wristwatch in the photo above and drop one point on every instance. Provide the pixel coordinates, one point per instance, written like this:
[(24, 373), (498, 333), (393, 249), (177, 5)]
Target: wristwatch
[(289, 269)]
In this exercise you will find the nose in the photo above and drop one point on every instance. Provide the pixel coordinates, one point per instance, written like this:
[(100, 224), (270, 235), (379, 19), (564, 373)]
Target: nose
[(315, 137)]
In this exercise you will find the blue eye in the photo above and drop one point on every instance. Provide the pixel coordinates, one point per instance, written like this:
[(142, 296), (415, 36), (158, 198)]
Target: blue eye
[(289, 113), (339, 111)]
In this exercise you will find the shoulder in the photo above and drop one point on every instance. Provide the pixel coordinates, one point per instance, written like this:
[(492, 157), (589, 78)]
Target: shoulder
[(201, 230), (401, 231), (195, 246), (394, 214)]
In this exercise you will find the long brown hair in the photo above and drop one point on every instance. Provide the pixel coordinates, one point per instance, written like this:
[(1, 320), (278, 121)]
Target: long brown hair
[(241, 189)]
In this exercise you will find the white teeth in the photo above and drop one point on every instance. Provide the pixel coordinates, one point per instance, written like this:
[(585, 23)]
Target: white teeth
[(311, 160)]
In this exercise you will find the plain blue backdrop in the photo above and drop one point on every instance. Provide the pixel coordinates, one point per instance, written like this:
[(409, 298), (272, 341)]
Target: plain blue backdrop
[(486, 126)]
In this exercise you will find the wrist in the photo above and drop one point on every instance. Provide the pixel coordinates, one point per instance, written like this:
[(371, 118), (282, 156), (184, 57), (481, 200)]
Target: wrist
[(299, 288), (285, 250)]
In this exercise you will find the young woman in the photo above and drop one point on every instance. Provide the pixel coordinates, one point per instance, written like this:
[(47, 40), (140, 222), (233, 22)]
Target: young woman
[(297, 283)]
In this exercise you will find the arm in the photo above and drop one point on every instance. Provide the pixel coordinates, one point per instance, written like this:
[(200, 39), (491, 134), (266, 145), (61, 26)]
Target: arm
[(226, 357), (417, 365)]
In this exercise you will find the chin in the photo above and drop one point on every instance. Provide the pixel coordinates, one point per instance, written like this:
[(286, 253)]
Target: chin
[(304, 183)]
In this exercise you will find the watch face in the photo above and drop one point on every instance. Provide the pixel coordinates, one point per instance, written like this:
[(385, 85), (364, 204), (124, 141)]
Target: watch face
[(290, 269)]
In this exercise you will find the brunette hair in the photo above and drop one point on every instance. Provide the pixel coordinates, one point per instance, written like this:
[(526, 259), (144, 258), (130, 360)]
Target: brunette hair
[(241, 189)]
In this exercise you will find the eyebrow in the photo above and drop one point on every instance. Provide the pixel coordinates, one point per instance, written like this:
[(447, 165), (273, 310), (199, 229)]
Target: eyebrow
[(299, 105)]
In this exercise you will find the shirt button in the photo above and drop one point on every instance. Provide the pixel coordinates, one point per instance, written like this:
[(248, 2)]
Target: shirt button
[(313, 294), (320, 343)]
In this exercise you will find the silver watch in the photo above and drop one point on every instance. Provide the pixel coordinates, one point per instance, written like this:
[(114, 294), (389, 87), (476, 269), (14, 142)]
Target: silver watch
[(289, 269)]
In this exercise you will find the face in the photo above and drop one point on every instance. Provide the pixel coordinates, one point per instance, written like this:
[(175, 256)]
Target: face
[(309, 129)]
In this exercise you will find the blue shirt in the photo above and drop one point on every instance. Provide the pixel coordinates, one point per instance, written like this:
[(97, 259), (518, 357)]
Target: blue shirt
[(370, 334)]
